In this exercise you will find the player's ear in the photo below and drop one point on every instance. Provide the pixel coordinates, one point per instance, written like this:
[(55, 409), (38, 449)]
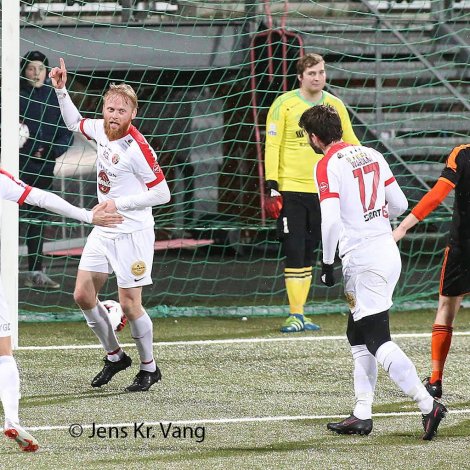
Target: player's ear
[(134, 113)]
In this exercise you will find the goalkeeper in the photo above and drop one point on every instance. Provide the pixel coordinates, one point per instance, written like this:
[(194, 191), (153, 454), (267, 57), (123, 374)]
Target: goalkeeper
[(291, 193), (455, 274), (15, 190)]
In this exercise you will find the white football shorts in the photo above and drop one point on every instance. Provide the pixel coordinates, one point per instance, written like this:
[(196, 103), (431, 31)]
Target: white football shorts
[(370, 274), (129, 256), (5, 316)]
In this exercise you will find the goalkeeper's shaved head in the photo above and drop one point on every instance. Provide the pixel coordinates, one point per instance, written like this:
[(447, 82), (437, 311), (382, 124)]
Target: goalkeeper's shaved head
[(322, 121)]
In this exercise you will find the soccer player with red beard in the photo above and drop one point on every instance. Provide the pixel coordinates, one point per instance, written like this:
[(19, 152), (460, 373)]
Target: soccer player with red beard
[(130, 180)]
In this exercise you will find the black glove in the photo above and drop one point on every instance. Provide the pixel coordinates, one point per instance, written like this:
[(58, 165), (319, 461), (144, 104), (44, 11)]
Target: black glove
[(272, 200), (327, 274)]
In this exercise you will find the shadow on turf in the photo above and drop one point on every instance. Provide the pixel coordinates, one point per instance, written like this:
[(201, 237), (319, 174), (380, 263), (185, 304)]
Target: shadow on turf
[(40, 400)]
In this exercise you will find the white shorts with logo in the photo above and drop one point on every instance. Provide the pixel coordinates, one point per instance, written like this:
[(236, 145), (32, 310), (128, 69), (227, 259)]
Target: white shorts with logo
[(5, 316), (370, 274), (129, 255)]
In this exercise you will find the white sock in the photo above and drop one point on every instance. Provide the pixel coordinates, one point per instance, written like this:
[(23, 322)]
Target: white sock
[(365, 379), (403, 372), (97, 319), (9, 390), (142, 332)]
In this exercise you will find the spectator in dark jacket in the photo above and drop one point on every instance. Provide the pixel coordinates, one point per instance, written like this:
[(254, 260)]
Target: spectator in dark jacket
[(48, 139)]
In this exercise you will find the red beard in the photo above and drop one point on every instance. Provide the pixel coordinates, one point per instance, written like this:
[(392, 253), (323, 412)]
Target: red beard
[(118, 133)]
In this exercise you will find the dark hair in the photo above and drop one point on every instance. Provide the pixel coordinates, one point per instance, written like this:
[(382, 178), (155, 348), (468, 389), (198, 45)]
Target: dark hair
[(323, 121), (30, 57), (308, 60)]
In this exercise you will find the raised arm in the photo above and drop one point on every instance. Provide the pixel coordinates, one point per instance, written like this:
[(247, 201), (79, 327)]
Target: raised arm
[(72, 117)]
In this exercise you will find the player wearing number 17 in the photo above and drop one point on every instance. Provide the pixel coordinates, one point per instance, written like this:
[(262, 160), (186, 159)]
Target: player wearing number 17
[(358, 197), (130, 181)]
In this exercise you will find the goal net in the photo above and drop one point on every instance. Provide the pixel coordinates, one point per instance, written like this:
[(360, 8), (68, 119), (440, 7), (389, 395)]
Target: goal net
[(206, 73)]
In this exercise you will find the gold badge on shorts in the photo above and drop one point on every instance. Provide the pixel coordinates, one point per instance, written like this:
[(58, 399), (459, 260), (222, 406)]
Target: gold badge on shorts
[(138, 268), (350, 299)]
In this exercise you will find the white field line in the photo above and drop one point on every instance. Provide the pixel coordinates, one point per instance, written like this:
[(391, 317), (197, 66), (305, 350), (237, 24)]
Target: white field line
[(229, 341), (202, 422), (261, 419)]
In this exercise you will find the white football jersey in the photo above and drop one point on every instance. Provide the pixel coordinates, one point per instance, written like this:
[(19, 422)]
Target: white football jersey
[(124, 167), (12, 189), (364, 184)]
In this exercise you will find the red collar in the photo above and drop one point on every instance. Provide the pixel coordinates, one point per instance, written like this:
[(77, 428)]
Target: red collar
[(336, 148)]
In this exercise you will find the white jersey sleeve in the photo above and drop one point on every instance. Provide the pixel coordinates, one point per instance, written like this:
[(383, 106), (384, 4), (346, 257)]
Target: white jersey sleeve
[(327, 181), (330, 228), (12, 189), (396, 199), (159, 194), (72, 117), (54, 203)]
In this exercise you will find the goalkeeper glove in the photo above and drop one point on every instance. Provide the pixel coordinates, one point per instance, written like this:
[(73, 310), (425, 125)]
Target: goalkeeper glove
[(327, 274), (272, 200)]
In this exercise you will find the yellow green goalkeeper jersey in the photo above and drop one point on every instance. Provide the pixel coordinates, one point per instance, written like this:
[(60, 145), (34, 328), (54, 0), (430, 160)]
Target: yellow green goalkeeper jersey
[(289, 159)]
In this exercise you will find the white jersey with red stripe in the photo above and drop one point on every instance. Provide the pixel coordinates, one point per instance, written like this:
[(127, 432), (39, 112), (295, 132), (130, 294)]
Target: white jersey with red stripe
[(12, 189), (358, 195), (124, 167)]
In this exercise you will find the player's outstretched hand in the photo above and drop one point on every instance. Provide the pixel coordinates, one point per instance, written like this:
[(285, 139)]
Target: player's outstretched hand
[(108, 206), (58, 75), (104, 218), (327, 274)]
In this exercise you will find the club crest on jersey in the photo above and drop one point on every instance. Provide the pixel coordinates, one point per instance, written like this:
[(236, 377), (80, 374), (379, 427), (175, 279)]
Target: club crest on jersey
[(104, 185), (350, 299), (323, 187), (115, 159), (138, 268)]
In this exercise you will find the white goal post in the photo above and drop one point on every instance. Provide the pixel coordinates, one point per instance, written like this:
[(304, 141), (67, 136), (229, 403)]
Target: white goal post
[(10, 25)]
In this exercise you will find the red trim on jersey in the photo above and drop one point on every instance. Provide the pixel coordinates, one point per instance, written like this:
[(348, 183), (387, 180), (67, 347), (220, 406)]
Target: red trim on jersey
[(154, 183), (329, 195), (336, 148), (27, 189), (9, 175), (24, 195), (390, 181), (149, 156), (322, 178), (432, 198), (82, 130)]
